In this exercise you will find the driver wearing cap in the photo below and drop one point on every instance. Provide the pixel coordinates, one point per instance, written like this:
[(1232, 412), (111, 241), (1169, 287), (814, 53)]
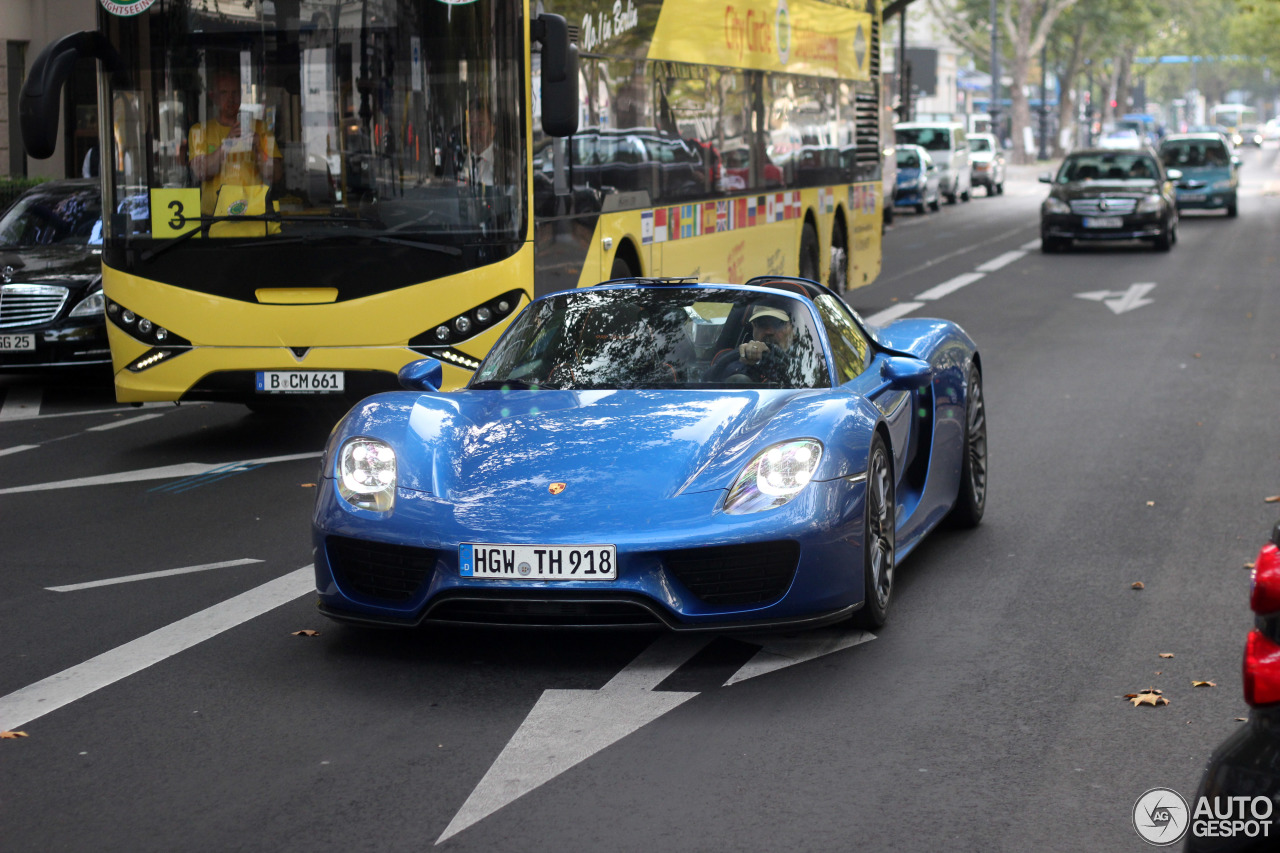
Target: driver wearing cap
[(762, 358)]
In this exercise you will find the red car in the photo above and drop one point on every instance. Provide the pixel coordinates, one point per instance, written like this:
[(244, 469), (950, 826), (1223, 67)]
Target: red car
[(1245, 769)]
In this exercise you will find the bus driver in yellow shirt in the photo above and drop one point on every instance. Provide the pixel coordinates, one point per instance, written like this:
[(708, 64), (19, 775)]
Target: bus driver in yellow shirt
[(227, 150)]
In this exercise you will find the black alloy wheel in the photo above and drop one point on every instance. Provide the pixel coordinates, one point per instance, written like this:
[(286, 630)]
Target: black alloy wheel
[(879, 538), (971, 502)]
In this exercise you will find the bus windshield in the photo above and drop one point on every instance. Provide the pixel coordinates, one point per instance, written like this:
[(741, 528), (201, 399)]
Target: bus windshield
[(321, 123)]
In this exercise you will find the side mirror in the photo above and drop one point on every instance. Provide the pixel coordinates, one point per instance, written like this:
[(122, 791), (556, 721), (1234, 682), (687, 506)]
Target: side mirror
[(40, 102), (906, 373), (1174, 174), (1046, 177), (559, 75), (425, 374)]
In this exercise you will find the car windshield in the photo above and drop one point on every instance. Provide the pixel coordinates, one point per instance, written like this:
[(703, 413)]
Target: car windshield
[(1191, 153), (977, 143), (49, 215), (928, 138), (908, 160), (649, 337), (1118, 166)]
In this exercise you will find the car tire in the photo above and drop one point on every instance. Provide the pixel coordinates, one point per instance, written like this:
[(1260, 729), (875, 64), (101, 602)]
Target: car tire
[(888, 214), (936, 204), (1000, 188), (1232, 210), (922, 208), (1164, 242), (967, 194), (1049, 245), (879, 539), (971, 501), (808, 265)]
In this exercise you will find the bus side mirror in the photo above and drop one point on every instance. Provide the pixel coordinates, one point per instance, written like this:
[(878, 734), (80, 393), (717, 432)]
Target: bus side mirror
[(559, 75), (39, 104)]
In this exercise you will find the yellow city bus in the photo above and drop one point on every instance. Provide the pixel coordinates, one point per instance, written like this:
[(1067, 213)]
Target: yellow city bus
[(400, 177)]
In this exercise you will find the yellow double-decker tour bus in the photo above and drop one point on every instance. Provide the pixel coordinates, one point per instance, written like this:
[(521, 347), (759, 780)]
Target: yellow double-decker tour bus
[(300, 197)]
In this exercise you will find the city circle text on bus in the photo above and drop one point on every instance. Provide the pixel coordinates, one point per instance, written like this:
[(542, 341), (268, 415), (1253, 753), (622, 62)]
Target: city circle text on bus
[(753, 33)]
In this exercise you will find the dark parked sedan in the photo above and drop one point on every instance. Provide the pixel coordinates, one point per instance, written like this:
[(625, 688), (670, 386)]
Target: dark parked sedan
[(1102, 194), (51, 278)]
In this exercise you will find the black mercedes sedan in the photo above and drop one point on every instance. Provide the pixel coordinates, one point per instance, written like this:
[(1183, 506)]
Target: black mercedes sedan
[(51, 278), (1109, 194)]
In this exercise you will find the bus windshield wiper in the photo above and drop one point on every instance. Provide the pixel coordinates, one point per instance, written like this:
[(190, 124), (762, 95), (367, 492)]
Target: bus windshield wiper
[(208, 221)]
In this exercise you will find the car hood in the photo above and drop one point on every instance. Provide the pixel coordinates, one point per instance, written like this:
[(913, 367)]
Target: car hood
[(50, 263), (981, 157), (476, 446), (906, 173), (1107, 189), (1203, 174)]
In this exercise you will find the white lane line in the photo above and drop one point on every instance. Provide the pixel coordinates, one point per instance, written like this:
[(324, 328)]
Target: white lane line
[(1001, 261), (941, 290), (149, 575), (139, 419), (18, 449), (21, 404), (1030, 245), (186, 469), (881, 318), (117, 410), (35, 700), (943, 258)]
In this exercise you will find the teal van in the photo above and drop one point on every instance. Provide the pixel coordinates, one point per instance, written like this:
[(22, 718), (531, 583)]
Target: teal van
[(1210, 172)]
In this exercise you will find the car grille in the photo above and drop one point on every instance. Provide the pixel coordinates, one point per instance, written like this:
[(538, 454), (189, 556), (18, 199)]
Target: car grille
[(379, 570), (514, 607), (29, 304), (736, 574), (1104, 206)]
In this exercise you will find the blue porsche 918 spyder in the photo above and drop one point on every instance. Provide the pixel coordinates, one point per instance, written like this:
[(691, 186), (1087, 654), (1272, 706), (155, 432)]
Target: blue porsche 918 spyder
[(652, 452)]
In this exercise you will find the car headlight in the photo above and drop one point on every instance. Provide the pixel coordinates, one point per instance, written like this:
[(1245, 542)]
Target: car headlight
[(91, 306), (1150, 204), (1056, 205), (1221, 186), (367, 473), (774, 476)]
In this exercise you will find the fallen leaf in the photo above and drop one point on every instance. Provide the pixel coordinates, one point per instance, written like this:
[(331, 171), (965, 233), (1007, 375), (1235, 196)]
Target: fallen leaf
[(1197, 355), (1203, 684), (1148, 699), (1138, 585), (1151, 503), (1166, 654), (1250, 565), (1159, 672), (305, 633), (1274, 499), (308, 485), (1242, 719), (12, 735)]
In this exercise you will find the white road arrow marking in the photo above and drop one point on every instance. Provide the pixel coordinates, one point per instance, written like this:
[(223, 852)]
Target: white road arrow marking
[(779, 652), (567, 727), (1120, 301)]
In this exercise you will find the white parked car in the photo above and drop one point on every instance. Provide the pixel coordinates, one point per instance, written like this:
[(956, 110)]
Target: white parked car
[(987, 162)]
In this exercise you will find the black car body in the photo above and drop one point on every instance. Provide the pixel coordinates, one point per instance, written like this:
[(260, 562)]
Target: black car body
[(1103, 194), (51, 278), (1246, 766)]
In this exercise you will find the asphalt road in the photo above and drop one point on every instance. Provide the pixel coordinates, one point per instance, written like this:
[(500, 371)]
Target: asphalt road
[(1132, 400)]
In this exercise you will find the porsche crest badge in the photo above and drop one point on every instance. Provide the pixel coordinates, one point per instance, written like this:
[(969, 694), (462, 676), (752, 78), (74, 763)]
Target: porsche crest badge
[(556, 488)]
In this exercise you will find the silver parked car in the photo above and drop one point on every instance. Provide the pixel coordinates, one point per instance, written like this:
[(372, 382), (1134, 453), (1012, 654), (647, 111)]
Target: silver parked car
[(987, 161)]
